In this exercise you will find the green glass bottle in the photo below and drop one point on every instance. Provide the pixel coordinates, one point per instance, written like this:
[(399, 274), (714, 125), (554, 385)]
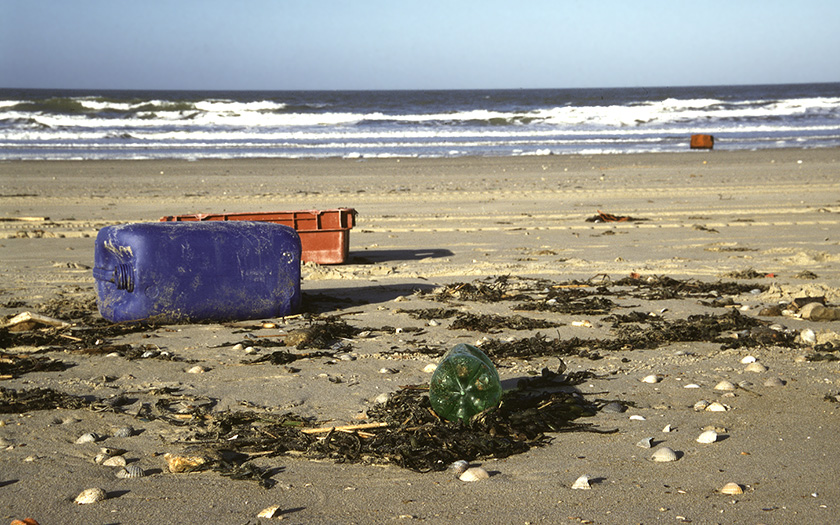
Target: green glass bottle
[(465, 383)]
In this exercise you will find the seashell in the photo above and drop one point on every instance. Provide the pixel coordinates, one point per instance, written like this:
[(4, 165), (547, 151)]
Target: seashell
[(430, 368), (667, 428), (130, 471), (238, 347), (100, 458), (755, 367), (582, 483), (731, 489), (749, 359), (645, 443), (124, 432), (459, 467), (774, 381), (111, 451), (114, 461), (474, 474), (808, 336), (89, 496), (701, 405), (90, 437), (664, 455), (613, 407), (709, 436), (24, 521), (653, 378), (271, 512), (636, 417), (197, 369), (178, 464), (692, 385), (715, 407), (381, 399), (385, 370), (725, 385), (347, 357)]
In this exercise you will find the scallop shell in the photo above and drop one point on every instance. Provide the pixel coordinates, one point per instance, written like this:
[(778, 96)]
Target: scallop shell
[(90, 437), (130, 471), (725, 386), (474, 474), (124, 432), (715, 407), (178, 464), (115, 461), (709, 436), (731, 488), (582, 483), (653, 378), (664, 455), (89, 496), (459, 467), (755, 367)]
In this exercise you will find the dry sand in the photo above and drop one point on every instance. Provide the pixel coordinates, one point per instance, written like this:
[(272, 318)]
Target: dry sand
[(423, 224)]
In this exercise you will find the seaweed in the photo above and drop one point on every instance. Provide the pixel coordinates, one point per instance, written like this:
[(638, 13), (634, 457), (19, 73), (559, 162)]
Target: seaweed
[(19, 401), (492, 323)]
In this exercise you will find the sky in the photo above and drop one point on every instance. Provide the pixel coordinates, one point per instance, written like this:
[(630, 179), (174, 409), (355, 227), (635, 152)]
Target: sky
[(411, 44)]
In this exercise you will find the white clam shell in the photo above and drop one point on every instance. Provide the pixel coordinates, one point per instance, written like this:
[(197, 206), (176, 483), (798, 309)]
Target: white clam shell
[(774, 381), (755, 367), (89, 496), (130, 471), (582, 483), (115, 461), (715, 407), (808, 336), (645, 443), (653, 378), (664, 455), (701, 405), (197, 369), (749, 359), (89, 437), (271, 512), (667, 428), (709, 436), (430, 368), (636, 417), (474, 474), (725, 386), (731, 488)]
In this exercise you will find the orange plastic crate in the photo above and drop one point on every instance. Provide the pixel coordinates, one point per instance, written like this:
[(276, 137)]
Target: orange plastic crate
[(324, 234)]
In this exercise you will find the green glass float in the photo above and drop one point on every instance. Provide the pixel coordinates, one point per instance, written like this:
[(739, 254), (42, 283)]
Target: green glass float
[(465, 383)]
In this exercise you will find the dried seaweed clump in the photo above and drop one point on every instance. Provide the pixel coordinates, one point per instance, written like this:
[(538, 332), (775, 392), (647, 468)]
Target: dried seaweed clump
[(491, 323), (19, 401)]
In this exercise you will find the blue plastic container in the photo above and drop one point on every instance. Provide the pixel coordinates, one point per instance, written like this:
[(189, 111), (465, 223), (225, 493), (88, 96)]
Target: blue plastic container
[(175, 272)]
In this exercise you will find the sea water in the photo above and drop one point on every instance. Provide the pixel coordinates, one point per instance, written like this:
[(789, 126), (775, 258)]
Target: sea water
[(61, 124)]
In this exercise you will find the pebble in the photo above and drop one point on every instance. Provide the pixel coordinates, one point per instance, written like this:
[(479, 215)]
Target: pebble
[(381, 399), (238, 347), (808, 336), (613, 407)]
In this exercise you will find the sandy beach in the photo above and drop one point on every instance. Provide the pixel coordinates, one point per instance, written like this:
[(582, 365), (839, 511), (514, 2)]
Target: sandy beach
[(768, 221)]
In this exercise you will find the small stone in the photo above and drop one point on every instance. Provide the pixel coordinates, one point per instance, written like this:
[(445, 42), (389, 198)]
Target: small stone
[(808, 336), (238, 347), (613, 407)]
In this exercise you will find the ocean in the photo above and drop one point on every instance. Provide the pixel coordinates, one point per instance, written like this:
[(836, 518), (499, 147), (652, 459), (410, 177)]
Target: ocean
[(65, 124)]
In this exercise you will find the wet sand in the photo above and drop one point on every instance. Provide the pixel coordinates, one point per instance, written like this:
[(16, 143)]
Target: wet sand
[(763, 218)]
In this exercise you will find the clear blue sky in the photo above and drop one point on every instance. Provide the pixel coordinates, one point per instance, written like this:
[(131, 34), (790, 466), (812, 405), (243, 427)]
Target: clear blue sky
[(415, 44)]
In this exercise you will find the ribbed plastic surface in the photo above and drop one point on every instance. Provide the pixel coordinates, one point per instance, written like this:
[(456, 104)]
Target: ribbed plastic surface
[(188, 271)]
